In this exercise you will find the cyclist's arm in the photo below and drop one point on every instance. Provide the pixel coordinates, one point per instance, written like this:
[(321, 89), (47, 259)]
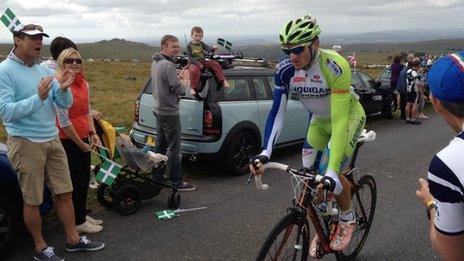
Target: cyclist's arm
[(339, 80), (275, 120)]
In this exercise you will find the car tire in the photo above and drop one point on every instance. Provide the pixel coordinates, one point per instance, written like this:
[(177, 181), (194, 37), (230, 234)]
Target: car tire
[(242, 147), (9, 224), (389, 108)]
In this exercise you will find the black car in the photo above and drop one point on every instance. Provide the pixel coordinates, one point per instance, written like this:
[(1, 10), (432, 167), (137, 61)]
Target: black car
[(375, 97), (11, 204), (384, 78)]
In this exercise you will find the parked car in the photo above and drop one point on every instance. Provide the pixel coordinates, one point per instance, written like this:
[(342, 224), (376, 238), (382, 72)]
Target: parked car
[(384, 78), (375, 97), (11, 204), (228, 125)]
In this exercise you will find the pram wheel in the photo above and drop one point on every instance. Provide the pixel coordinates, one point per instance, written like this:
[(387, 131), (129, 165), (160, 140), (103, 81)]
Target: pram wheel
[(105, 195), (127, 199), (174, 200)]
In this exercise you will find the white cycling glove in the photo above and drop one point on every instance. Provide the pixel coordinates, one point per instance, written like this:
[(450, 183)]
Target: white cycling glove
[(338, 185)]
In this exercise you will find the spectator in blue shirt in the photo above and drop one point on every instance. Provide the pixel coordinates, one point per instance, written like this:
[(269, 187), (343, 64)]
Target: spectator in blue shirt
[(28, 94)]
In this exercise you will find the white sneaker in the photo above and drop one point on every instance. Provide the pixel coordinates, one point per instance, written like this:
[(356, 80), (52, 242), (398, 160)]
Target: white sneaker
[(94, 221), (88, 227)]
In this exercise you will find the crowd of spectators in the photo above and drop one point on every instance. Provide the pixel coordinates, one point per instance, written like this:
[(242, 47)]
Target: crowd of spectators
[(410, 82)]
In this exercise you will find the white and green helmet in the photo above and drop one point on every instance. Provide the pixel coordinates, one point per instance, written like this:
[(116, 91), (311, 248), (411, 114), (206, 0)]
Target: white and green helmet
[(302, 30)]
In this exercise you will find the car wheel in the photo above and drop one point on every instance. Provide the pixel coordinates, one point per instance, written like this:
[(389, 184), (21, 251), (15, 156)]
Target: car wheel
[(390, 108), (241, 149), (9, 216)]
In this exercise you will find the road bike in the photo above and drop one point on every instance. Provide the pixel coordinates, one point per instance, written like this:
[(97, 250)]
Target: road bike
[(290, 237)]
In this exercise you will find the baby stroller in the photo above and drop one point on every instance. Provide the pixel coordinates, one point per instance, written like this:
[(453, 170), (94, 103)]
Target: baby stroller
[(133, 184)]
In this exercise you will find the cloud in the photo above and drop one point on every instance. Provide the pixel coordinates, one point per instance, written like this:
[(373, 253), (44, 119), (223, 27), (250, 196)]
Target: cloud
[(97, 19)]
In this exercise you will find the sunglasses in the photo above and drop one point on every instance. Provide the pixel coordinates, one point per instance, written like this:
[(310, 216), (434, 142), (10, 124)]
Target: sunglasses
[(73, 60), (295, 50), (31, 27)]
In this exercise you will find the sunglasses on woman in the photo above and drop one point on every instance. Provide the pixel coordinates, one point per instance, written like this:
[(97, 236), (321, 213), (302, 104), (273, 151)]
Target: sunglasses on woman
[(73, 60), (295, 50)]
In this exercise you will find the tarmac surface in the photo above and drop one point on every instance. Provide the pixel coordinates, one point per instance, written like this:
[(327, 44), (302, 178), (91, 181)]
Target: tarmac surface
[(239, 217)]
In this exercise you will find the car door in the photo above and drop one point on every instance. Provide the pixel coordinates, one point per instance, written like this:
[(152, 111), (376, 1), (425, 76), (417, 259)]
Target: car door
[(374, 98), (237, 103)]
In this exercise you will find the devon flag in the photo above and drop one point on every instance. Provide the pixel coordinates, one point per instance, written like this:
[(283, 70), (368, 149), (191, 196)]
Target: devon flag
[(166, 214), (226, 44), (108, 172), (10, 20)]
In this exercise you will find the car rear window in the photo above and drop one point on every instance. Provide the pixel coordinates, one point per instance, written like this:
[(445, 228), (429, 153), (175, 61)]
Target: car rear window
[(147, 89)]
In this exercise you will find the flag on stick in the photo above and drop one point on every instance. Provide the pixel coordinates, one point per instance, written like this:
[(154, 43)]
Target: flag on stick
[(10, 20), (170, 213), (224, 43), (108, 171)]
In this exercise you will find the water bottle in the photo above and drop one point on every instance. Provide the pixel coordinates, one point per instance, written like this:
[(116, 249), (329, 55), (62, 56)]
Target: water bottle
[(328, 209), (331, 209)]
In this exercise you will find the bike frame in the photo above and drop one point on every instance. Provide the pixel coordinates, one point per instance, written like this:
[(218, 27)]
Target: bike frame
[(307, 207)]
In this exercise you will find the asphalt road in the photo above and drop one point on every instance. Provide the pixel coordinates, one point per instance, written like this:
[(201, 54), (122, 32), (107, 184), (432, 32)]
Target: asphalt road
[(238, 217)]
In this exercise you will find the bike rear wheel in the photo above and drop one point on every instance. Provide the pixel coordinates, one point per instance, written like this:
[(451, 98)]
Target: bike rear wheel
[(288, 240), (363, 204)]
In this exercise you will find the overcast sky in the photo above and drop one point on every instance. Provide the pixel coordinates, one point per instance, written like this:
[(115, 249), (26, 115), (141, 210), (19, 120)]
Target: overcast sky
[(93, 20)]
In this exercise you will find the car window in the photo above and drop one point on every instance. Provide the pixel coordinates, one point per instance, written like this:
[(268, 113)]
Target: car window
[(270, 80), (370, 83), (260, 88), (385, 76), (238, 89), (356, 82)]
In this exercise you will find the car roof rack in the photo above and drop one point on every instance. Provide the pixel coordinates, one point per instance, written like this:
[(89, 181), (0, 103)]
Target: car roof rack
[(227, 60)]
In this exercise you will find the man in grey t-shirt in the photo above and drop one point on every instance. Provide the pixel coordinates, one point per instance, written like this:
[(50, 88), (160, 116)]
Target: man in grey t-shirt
[(167, 87)]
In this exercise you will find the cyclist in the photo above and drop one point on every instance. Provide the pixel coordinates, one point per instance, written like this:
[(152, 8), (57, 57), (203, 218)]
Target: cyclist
[(321, 79)]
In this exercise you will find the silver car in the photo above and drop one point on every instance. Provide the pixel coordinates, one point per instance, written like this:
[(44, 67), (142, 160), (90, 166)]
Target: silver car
[(228, 125)]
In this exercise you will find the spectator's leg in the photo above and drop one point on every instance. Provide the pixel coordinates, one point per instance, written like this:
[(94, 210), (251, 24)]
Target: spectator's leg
[(403, 105), (172, 133), (60, 183), (216, 68), (78, 177), (408, 111), (65, 211), (195, 76), (161, 145), (28, 159), (33, 222)]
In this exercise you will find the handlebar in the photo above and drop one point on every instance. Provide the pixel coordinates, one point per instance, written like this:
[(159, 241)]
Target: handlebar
[(288, 169)]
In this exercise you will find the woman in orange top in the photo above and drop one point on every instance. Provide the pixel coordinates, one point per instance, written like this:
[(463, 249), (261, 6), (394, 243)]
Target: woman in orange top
[(77, 132)]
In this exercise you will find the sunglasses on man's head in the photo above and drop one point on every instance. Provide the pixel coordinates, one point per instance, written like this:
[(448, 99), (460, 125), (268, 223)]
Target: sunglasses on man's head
[(31, 27), (73, 60), (295, 50)]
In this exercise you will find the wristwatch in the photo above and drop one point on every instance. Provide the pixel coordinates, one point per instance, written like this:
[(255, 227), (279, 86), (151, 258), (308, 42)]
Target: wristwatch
[(431, 205)]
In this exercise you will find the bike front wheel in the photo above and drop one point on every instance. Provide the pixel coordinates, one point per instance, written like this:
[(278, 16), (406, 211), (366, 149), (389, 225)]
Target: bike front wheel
[(363, 203), (288, 240)]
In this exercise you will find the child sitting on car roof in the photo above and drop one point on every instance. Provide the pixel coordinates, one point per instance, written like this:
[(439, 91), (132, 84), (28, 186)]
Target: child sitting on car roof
[(196, 51)]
